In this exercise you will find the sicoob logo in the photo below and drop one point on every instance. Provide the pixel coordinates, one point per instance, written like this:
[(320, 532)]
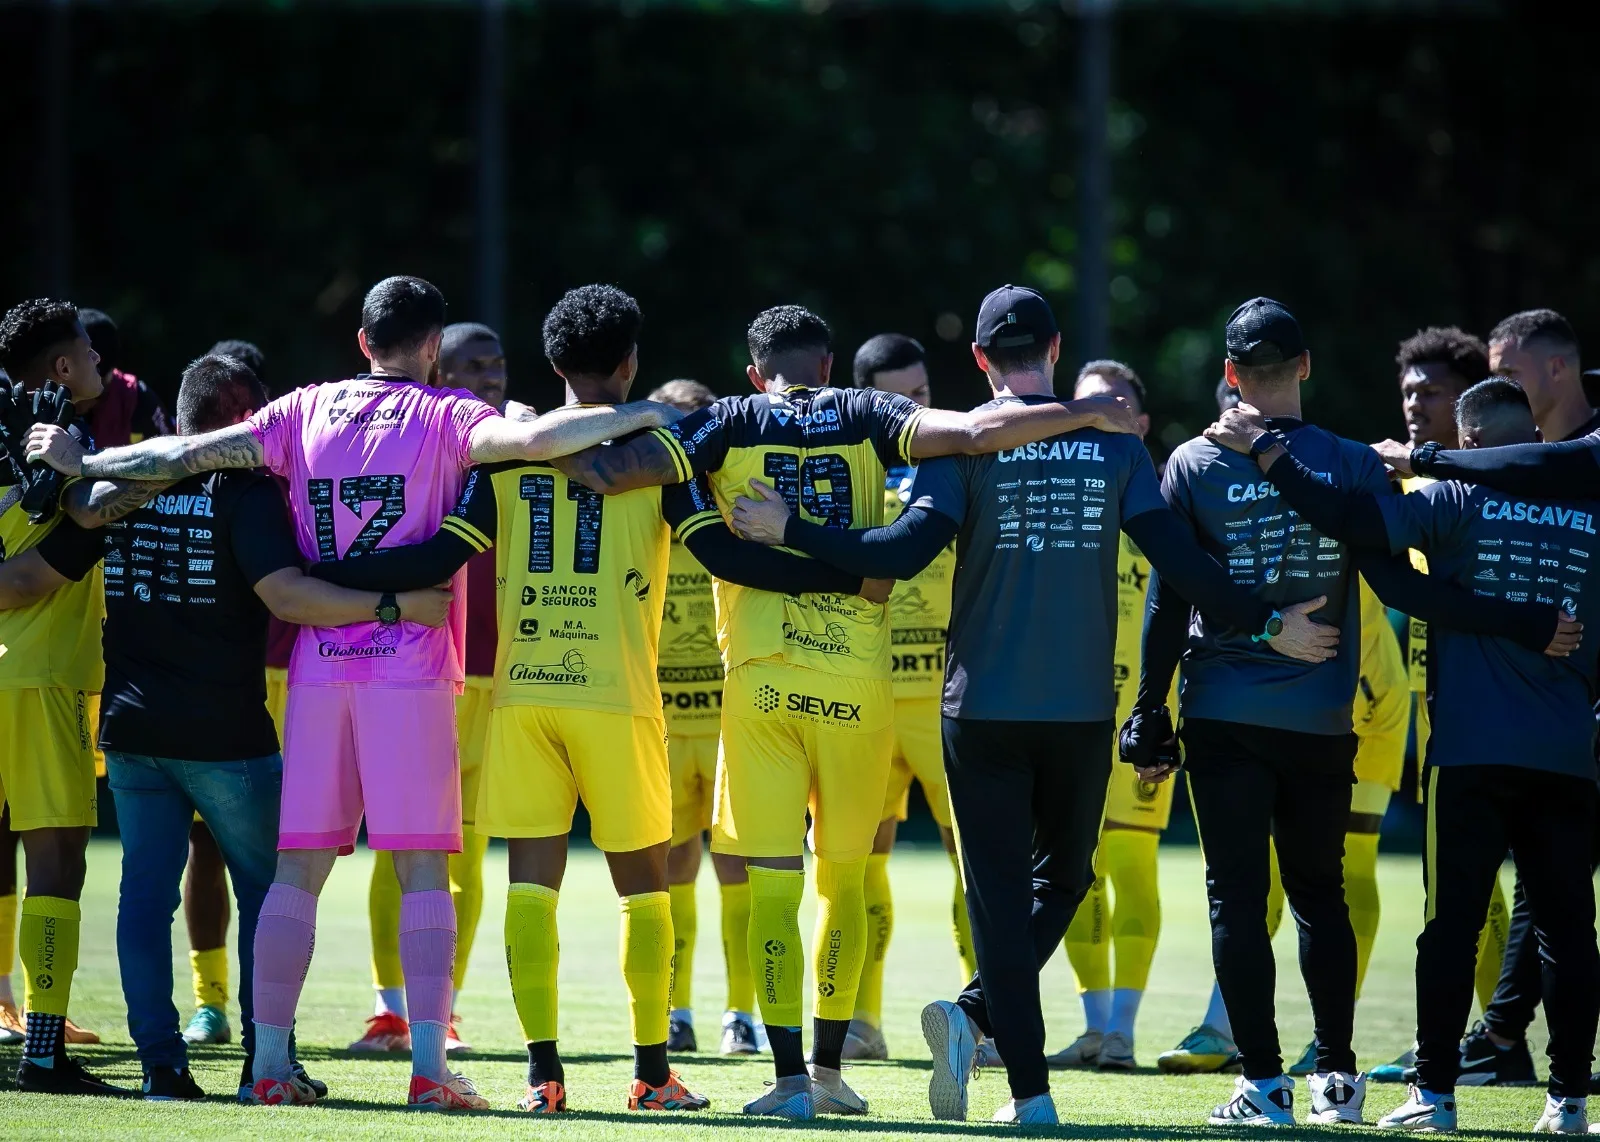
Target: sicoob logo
[(766, 700)]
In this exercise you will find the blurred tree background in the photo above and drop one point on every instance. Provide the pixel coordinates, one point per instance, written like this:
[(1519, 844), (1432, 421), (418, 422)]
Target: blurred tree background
[(248, 169)]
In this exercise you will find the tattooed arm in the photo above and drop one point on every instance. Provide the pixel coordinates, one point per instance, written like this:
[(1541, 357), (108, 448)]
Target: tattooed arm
[(95, 503), (159, 458), (642, 462)]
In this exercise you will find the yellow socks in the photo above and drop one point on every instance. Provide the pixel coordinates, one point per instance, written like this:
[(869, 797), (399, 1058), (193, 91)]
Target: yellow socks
[(8, 934), (1088, 938), (210, 968), (961, 924), (532, 956), (383, 923), (736, 946), (1491, 946), (1361, 895), (48, 948), (774, 941), (647, 963), (1131, 863), (466, 892), (841, 936), (685, 926), (879, 900)]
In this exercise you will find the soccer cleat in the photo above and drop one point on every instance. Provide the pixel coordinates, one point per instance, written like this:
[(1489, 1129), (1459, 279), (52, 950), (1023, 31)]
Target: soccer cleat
[(739, 1035), (1484, 1063), (1084, 1051), (171, 1084), (1307, 1062), (670, 1095), (1036, 1110), (77, 1036), (864, 1043), (546, 1098), (452, 1036), (455, 1093), (830, 1094), (1396, 1072), (680, 1034), (1563, 1116), (1422, 1113), (319, 1087), (1269, 1102), (13, 1031), (1204, 1051), (208, 1025), (386, 1034), (953, 1042), (68, 1076), (1116, 1053), (1336, 1097), (988, 1054), (790, 1097), (292, 1091)]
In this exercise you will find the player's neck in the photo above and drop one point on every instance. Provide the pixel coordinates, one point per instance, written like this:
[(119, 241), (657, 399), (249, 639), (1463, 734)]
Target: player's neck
[(1032, 384), (588, 390), (1566, 417), (399, 369), (1284, 401)]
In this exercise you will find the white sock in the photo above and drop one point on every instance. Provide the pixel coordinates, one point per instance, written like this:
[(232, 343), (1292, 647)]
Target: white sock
[(427, 1050), (682, 1015), (1217, 1012), (5, 990), (272, 1052), (1124, 1010), (391, 1001), (1096, 1008)]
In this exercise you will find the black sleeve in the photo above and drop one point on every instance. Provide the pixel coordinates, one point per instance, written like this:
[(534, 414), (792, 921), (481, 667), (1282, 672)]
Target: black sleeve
[(1434, 600), (1199, 579), (260, 532), (1568, 469), (736, 560), (467, 530), (1350, 517), (71, 551), (1166, 628), (899, 551)]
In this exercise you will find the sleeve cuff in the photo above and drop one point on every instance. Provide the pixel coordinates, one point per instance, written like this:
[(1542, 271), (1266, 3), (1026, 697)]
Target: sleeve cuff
[(908, 433), (674, 447), (695, 523), (459, 527)]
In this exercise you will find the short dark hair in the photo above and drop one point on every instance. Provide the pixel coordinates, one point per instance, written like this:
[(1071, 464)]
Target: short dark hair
[(1275, 375), (248, 352), (1486, 401), (1116, 371), (217, 391), (464, 333), (1447, 345), (785, 329), (401, 313), (1536, 325), (1227, 396), (687, 395), (32, 328), (885, 353), (1017, 358), (104, 337), (591, 330)]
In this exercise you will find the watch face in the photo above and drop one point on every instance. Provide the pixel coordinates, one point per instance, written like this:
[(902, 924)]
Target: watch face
[(1274, 626)]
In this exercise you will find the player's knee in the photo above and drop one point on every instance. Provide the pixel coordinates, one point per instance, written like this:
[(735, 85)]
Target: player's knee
[(639, 870), (683, 861), (883, 841), (305, 869), (56, 860)]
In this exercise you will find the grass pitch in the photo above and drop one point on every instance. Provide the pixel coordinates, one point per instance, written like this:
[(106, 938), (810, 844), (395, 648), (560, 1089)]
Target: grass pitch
[(366, 1095)]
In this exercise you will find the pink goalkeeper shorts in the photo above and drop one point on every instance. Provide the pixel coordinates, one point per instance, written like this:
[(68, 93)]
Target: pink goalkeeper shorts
[(384, 751)]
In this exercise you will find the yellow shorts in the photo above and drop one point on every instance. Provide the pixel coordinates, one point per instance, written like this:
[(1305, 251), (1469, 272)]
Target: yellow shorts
[(795, 739), (919, 754), (1140, 804), (277, 697), (94, 736), (694, 783), (539, 760), (47, 758), (473, 705)]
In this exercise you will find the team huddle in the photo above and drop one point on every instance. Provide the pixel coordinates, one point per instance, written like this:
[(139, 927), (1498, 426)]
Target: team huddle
[(763, 618)]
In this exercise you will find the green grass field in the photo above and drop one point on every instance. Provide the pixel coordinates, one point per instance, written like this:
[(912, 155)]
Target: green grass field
[(366, 1096)]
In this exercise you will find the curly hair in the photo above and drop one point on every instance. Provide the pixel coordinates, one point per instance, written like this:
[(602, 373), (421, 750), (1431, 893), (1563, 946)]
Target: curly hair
[(31, 328), (591, 330), (786, 329), (1447, 345)]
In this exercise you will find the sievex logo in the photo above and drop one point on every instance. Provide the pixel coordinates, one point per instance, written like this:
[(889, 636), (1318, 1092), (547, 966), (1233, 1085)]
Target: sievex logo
[(1054, 450), (768, 699)]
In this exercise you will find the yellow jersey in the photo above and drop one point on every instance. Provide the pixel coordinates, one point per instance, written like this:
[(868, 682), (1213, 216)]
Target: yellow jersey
[(56, 640), (690, 667), (827, 451), (919, 608)]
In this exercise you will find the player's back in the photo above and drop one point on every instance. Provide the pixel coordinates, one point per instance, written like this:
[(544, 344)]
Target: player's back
[(372, 462)]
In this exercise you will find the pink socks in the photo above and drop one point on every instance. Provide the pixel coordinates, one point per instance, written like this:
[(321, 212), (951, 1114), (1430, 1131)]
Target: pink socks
[(428, 955)]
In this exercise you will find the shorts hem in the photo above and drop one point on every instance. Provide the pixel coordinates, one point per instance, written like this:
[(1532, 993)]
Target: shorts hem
[(606, 845), (846, 856), (414, 842), (685, 838), (1138, 826), (342, 839), (765, 852), (523, 833), (29, 824)]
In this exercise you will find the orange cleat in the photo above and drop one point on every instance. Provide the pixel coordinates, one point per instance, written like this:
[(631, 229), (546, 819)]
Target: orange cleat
[(77, 1036), (386, 1034), (670, 1095), (13, 1030), (292, 1091), (455, 1093), (452, 1037), (546, 1098)]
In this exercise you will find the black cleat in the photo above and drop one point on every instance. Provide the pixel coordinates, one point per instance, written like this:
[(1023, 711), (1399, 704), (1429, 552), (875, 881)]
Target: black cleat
[(680, 1037), (68, 1076), (1483, 1063), (317, 1085), (170, 1084)]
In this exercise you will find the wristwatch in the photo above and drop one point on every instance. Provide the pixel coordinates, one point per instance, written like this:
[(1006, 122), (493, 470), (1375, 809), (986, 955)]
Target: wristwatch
[(388, 611), (1422, 458), (1273, 629), (1266, 442)]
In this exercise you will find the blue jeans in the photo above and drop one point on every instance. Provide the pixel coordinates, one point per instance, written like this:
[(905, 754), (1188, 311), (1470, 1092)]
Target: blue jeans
[(156, 799)]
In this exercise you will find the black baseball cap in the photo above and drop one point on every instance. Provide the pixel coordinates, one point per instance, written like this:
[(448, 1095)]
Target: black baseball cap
[(1263, 332), (1014, 316)]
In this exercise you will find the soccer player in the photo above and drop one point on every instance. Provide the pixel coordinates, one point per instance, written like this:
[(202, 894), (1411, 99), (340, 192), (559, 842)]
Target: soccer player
[(471, 359), (1486, 791), (808, 704), (690, 673), (919, 613), (577, 704), (49, 670), (371, 719), (127, 410)]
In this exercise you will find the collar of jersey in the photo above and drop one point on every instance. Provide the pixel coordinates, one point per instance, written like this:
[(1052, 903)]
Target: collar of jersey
[(386, 378), (1285, 423), (1589, 427)]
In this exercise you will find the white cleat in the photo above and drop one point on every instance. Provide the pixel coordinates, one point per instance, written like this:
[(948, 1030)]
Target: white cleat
[(790, 1097), (1336, 1097), (1116, 1053), (864, 1043), (830, 1094), (988, 1054), (1269, 1102), (1563, 1116), (1084, 1051), (1036, 1110), (1422, 1113), (953, 1042)]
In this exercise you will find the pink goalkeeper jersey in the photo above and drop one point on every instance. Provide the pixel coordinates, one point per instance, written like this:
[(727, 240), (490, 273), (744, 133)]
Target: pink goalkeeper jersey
[(372, 462)]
